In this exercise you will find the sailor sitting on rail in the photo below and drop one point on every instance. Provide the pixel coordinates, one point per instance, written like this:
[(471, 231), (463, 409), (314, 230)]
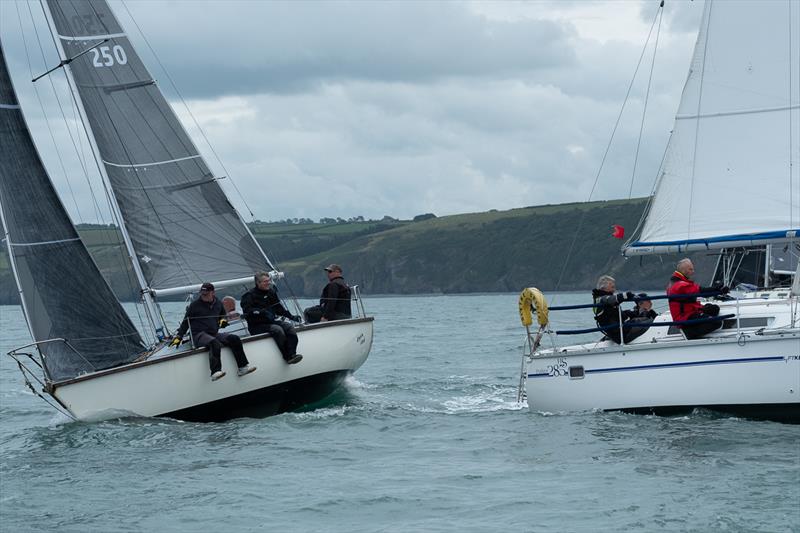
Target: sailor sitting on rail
[(688, 308), (607, 313), (204, 318)]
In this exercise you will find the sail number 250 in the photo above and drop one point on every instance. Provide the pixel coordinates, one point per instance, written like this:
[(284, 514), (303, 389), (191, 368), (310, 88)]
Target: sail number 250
[(106, 56)]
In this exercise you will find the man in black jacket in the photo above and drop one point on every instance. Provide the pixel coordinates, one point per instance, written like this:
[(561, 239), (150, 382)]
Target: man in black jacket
[(607, 312), (264, 313), (334, 304), (204, 317)]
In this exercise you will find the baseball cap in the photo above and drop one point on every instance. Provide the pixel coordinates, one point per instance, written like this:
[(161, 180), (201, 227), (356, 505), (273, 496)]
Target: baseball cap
[(207, 286), (333, 267)]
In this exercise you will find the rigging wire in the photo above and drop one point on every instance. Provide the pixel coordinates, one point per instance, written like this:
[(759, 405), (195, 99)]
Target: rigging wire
[(646, 100), (79, 151), (608, 149), (46, 119), (183, 101), (697, 121), (791, 116)]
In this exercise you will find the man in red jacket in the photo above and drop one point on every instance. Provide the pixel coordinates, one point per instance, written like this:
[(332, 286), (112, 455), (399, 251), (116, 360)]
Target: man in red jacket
[(688, 308)]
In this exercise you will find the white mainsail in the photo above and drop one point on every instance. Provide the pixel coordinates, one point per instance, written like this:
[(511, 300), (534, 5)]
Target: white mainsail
[(731, 175)]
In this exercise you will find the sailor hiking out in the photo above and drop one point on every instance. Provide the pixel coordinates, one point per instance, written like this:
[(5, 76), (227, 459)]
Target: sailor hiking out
[(204, 318), (265, 313)]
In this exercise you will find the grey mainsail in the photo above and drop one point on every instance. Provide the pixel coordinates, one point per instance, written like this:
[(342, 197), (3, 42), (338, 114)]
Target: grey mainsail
[(182, 226), (63, 293)]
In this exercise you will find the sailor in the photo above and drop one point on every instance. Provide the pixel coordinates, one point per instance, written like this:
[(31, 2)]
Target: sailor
[(639, 318), (334, 304), (204, 318), (265, 313), (607, 313), (687, 307), (231, 314)]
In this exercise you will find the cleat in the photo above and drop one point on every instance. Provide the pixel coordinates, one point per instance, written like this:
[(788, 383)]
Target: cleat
[(293, 360), (217, 375), (243, 371)]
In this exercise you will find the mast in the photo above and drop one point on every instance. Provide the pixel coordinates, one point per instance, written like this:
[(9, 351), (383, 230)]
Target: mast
[(154, 316)]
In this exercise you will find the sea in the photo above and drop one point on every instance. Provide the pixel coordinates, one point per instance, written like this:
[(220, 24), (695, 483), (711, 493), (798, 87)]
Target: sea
[(427, 436)]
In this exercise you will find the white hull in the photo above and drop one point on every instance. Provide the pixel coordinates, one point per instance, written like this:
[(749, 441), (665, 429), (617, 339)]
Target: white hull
[(179, 385), (753, 372)]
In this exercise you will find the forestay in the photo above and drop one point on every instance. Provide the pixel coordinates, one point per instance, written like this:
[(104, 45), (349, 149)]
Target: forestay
[(63, 293), (731, 175), (183, 228)]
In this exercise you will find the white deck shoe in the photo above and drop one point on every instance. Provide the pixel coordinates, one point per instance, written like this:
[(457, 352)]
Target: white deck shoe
[(243, 371)]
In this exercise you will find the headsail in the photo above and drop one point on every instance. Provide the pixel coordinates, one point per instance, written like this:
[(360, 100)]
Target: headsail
[(182, 226), (731, 175), (63, 293)]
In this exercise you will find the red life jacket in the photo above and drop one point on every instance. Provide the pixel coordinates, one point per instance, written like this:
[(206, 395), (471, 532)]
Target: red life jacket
[(682, 309)]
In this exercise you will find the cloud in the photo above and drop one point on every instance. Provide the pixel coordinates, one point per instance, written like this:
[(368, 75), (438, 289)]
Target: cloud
[(394, 108), (256, 47)]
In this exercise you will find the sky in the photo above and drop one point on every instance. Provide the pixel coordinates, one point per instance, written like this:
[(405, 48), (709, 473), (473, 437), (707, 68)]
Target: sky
[(343, 109)]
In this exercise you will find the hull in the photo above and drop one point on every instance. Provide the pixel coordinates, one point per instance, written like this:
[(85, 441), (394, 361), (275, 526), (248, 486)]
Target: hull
[(178, 385), (755, 376)]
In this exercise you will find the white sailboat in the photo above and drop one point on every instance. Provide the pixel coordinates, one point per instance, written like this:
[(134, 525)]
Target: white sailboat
[(179, 229), (730, 184)]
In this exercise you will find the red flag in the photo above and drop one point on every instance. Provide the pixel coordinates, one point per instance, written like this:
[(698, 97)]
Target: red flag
[(619, 231)]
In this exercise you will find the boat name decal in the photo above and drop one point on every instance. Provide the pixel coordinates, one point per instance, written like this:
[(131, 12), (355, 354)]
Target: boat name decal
[(360, 339), (559, 368)]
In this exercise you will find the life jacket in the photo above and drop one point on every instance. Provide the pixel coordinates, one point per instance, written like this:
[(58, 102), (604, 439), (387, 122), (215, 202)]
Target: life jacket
[(683, 308), (606, 310)]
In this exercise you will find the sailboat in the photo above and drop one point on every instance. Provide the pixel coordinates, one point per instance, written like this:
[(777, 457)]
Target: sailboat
[(179, 229), (730, 186)]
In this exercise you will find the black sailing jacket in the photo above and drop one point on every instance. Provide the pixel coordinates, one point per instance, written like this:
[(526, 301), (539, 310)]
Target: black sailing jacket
[(335, 300), (262, 307)]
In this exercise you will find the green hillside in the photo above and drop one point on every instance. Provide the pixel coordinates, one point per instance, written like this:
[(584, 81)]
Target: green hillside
[(495, 251)]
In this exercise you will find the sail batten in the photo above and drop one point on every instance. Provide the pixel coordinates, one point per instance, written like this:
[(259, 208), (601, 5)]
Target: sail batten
[(64, 295), (40, 243), (731, 173), (174, 210), (739, 112), (152, 163), (91, 37)]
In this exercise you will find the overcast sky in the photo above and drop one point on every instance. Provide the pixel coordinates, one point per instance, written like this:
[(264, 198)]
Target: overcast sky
[(339, 109)]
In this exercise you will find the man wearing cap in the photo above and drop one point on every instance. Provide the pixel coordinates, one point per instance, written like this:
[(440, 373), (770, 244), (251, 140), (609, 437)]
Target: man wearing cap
[(204, 317), (639, 318), (265, 313), (334, 304)]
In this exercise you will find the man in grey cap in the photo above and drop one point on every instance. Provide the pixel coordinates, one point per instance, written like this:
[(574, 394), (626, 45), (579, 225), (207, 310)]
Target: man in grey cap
[(334, 304)]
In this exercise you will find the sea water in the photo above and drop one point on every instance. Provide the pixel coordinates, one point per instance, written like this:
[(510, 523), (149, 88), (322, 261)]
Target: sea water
[(427, 436)]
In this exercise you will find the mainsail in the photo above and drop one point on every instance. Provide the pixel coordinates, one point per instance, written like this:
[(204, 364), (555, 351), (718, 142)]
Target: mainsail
[(731, 175), (64, 296), (182, 226)]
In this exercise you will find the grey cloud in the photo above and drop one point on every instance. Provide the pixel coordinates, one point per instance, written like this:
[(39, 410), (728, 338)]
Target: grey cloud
[(408, 107), (249, 47)]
